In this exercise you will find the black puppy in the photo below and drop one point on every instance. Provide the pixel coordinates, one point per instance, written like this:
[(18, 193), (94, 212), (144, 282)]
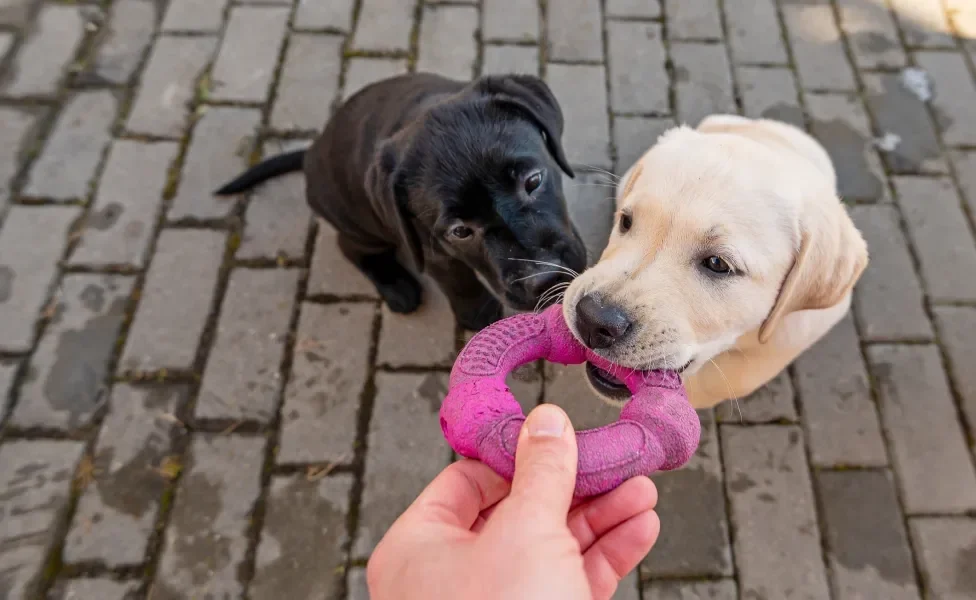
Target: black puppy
[(464, 178)]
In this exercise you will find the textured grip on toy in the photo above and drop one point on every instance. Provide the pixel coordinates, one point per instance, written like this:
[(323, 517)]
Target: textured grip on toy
[(658, 430)]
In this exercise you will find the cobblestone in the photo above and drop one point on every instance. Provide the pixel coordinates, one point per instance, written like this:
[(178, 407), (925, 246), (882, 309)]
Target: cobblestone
[(14, 127), (425, 338), (386, 25), (67, 165), (817, 48), (510, 59), (246, 62), (923, 23), (119, 227), (116, 514), (722, 589), (126, 37), (35, 479), (573, 30), (241, 381), (331, 274), (898, 111), (772, 403), (581, 90), (642, 9), (335, 15), (309, 82), (703, 82), (40, 64), (954, 98), (769, 94), (694, 20), (511, 21), (945, 550), (195, 15), (751, 25), (964, 164), (923, 434), (179, 288), (589, 200), (95, 589), (26, 278), (66, 376), (957, 329), (206, 542), (634, 135), (638, 80), (361, 72), (447, 43), (872, 34)]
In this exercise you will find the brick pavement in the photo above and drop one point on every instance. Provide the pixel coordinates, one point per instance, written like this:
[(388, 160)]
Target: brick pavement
[(200, 399)]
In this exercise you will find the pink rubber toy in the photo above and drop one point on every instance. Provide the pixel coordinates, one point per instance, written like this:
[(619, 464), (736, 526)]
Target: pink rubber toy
[(658, 430)]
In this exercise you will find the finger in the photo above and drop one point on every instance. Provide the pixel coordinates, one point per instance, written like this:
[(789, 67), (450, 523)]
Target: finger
[(595, 518), (617, 552), (545, 464), (483, 518), (458, 495)]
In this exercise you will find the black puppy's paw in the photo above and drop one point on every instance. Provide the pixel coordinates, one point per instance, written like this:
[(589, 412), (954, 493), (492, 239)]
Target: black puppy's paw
[(403, 295), (477, 317)]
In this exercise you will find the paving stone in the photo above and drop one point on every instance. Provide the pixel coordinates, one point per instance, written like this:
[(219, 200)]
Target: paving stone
[(510, 59), (888, 298), (116, 513), (119, 226), (867, 547), (221, 147), (695, 20), (751, 25), (309, 82), (195, 15), (769, 94), (964, 163), (26, 277), (942, 241), (703, 82), (278, 217), (841, 125), (356, 584), (128, 33), (168, 84), (15, 126), (923, 434), (67, 165), (510, 21), (776, 540), (899, 112), (406, 451), (838, 411), (773, 402), (333, 16), (48, 49), (954, 98), (66, 378), (246, 62), (384, 25), (205, 545), (945, 550), (638, 79), (567, 387), (722, 589), (35, 479), (7, 373), (646, 9), (331, 274), (957, 330), (16, 13), (447, 41), (431, 331), (321, 407), (242, 381), (871, 33), (589, 198), (695, 541), (362, 71), (179, 288), (817, 47), (95, 589), (581, 92), (573, 30), (633, 136), (628, 588), (301, 553), (923, 23)]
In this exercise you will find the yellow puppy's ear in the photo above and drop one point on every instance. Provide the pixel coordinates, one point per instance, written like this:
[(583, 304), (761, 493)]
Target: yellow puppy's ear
[(830, 260)]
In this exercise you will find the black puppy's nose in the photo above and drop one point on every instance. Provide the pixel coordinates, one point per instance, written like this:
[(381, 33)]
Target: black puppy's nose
[(537, 285), (600, 325)]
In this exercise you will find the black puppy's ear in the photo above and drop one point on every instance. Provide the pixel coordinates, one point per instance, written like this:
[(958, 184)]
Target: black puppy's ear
[(388, 194), (532, 97)]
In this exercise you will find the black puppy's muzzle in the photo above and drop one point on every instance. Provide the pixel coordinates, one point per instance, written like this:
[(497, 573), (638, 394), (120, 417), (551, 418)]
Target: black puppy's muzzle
[(545, 283)]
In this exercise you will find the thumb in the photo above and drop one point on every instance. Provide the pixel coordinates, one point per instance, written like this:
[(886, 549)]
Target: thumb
[(545, 463)]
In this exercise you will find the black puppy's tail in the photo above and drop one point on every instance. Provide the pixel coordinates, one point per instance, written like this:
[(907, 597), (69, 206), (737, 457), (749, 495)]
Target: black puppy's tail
[(264, 170)]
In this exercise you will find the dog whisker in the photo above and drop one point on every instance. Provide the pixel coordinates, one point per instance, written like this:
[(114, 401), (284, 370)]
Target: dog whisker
[(554, 291), (534, 275), (562, 268), (735, 399), (596, 169)]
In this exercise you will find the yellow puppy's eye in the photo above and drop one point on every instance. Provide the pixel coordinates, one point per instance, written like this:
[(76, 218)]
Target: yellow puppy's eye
[(716, 264), (626, 222)]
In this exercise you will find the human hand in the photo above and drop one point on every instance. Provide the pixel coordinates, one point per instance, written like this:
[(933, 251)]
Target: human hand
[(472, 536)]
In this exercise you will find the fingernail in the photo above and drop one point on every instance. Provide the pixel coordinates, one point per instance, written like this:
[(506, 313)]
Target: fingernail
[(546, 421)]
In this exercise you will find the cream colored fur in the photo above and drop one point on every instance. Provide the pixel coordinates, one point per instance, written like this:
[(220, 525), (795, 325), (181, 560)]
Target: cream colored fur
[(761, 195)]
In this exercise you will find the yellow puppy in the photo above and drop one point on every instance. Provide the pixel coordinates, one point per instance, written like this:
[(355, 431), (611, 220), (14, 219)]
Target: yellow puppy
[(731, 254)]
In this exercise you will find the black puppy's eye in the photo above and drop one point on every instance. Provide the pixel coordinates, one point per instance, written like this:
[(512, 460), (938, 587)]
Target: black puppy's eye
[(626, 222), (533, 182), (461, 232), (716, 264)]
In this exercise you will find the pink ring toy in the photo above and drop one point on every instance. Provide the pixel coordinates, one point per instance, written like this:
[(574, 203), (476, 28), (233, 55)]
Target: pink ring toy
[(657, 430)]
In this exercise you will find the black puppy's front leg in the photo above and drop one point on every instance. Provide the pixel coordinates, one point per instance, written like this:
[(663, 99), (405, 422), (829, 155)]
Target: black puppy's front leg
[(474, 306), (395, 283)]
